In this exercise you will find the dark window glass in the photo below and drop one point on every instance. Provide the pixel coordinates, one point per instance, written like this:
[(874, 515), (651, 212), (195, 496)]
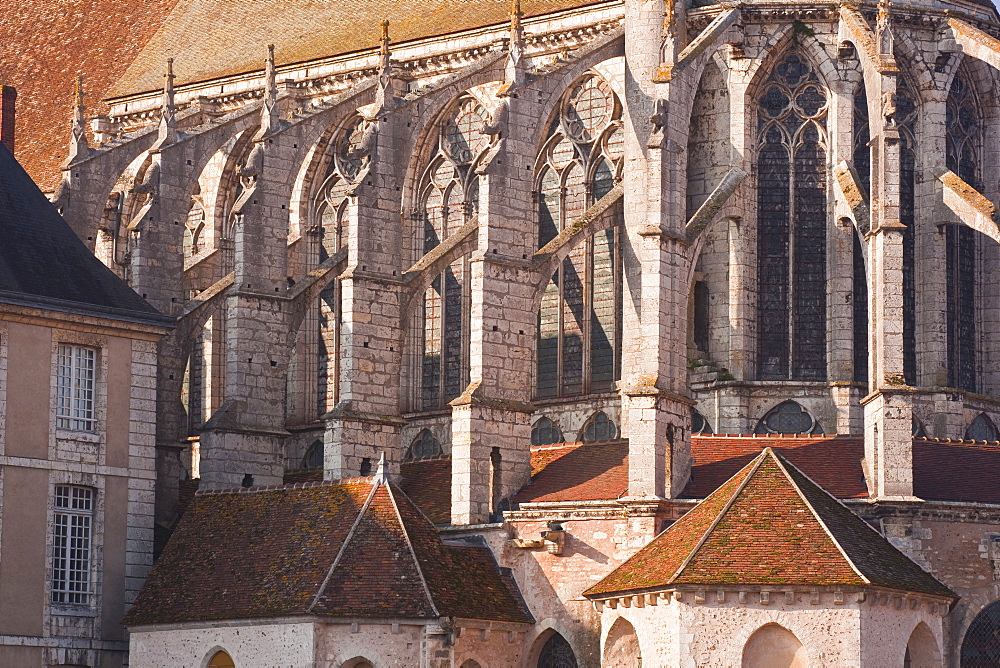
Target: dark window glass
[(545, 432), (981, 647), (314, 456), (556, 653), (699, 425), (791, 224), (600, 428), (424, 446), (701, 321), (788, 418), (982, 429)]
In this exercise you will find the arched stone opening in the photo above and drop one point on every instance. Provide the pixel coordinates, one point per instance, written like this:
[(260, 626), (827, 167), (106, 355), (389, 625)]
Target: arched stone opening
[(621, 648), (774, 646), (981, 645), (921, 649), (552, 650), (221, 659)]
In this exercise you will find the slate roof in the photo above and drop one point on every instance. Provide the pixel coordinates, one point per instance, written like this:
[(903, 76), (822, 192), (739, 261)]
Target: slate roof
[(351, 548), (43, 261), (769, 525)]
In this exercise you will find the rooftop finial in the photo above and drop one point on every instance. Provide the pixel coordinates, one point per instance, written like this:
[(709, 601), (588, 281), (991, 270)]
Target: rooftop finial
[(382, 472), (269, 112), (883, 32), (167, 132), (384, 95), (78, 147), (384, 40), (515, 66)]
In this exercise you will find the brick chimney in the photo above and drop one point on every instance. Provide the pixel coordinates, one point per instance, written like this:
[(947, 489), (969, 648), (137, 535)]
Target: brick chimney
[(8, 96)]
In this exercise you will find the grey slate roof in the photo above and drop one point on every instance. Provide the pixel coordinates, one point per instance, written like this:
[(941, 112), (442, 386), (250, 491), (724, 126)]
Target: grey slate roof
[(44, 263)]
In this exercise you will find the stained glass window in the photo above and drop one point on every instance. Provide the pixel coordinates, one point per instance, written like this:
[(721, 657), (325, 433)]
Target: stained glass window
[(545, 432), (788, 418), (424, 446), (449, 198), (791, 224), (981, 647), (579, 319), (556, 653), (982, 429), (599, 428), (963, 140)]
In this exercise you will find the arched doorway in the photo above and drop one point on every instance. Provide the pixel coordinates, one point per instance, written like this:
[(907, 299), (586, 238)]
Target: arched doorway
[(221, 660), (774, 646), (556, 653), (921, 649), (621, 648), (981, 646)]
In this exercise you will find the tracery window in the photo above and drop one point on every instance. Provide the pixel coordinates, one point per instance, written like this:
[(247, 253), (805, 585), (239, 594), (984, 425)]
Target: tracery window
[(788, 418), (791, 223), (699, 425), (424, 446), (981, 646), (579, 319), (906, 120), (313, 458), (545, 432), (449, 197), (982, 429), (556, 653), (329, 218), (599, 428), (963, 142)]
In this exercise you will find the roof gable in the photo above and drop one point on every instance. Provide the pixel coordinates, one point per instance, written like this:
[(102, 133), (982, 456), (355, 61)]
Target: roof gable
[(356, 548), (769, 524), (43, 261)]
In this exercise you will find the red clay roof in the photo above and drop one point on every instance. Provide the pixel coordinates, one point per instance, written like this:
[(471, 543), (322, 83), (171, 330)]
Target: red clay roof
[(768, 525), (337, 549), (46, 45)]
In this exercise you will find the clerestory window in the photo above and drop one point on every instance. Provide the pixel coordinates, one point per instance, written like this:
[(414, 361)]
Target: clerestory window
[(791, 223)]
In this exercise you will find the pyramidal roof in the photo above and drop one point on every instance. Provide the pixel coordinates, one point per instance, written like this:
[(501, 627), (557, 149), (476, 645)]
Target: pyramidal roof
[(353, 548), (769, 525), (43, 262)]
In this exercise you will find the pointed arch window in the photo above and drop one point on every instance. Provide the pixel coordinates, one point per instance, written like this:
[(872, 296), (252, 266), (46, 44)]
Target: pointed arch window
[(982, 429), (963, 142), (788, 418), (981, 645), (700, 425), (313, 458), (556, 653), (424, 446), (449, 198), (791, 223), (545, 432), (579, 319), (328, 222), (599, 428)]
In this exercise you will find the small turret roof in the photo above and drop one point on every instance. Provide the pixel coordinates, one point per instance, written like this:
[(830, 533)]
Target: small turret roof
[(769, 525)]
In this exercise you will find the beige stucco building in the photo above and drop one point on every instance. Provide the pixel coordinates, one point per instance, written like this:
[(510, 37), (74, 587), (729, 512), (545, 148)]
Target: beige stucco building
[(77, 398)]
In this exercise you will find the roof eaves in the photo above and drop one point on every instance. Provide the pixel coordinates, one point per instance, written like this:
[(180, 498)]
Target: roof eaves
[(28, 300), (343, 548), (718, 517), (819, 518), (413, 552)]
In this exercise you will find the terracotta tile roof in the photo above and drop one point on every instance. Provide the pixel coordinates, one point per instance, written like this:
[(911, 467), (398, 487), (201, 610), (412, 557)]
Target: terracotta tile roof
[(349, 548), (46, 45), (832, 461), (205, 47), (956, 470), (577, 472), (43, 261), (428, 484), (769, 525)]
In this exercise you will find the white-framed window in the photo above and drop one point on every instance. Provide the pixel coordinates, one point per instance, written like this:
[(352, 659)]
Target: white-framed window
[(72, 544), (76, 383)]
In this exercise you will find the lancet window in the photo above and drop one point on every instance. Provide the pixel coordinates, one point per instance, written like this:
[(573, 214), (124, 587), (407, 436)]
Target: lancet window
[(449, 198), (329, 216), (791, 223), (963, 144), (579, 320), (905, 119)]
